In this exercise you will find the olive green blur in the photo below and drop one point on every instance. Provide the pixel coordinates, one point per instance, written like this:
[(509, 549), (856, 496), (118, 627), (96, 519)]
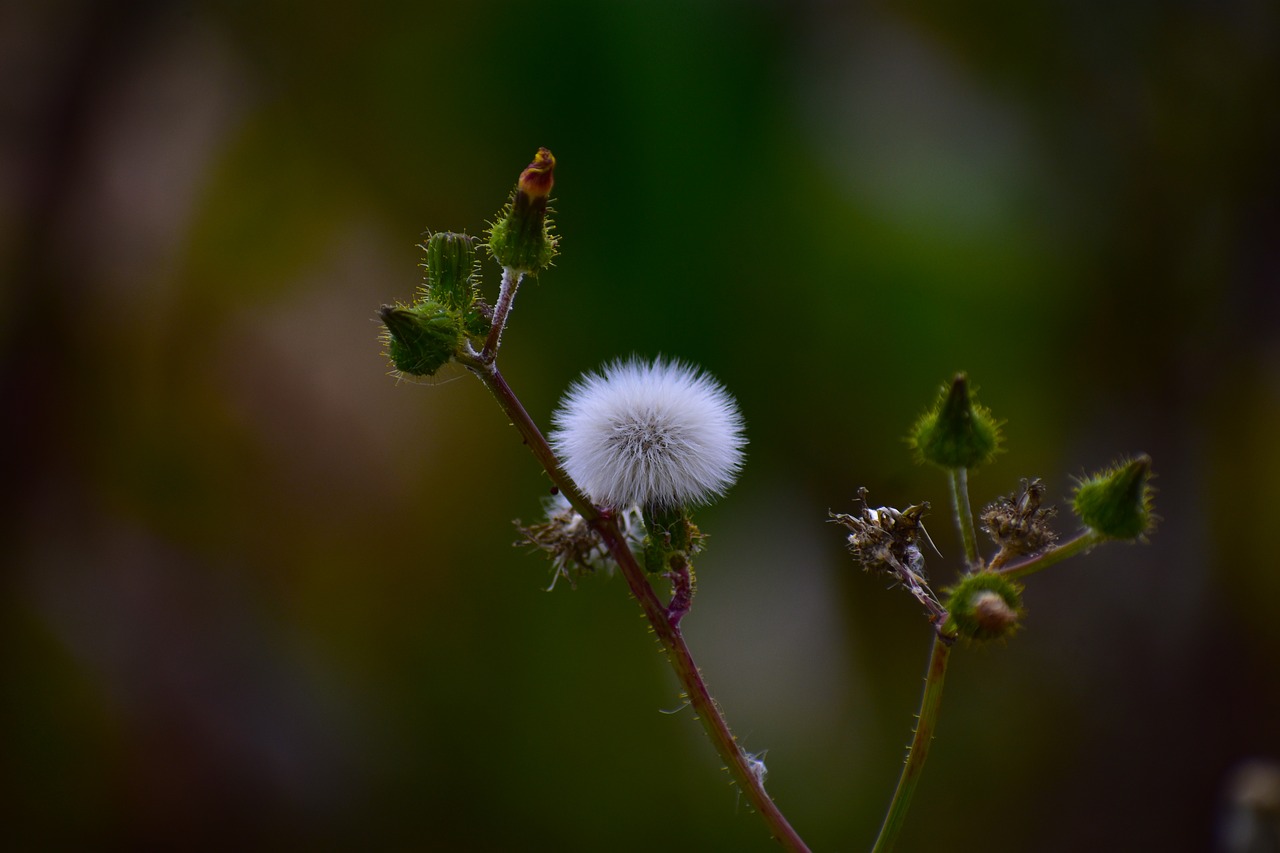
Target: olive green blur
[(259, 594)]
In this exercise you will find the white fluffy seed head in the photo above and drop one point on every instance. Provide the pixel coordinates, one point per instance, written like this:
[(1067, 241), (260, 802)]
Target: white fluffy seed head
[(658, 434)]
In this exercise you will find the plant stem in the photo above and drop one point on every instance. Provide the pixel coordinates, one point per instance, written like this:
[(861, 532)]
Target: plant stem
[(1082, 542), (506, 296), (959, 480), (664, 627), (919, 750)]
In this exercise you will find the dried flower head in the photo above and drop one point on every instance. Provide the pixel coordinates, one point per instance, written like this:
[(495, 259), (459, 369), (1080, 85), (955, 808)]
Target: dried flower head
[(883, 537), (1018, 524), (659, 434), (887, 540), (574, 547)]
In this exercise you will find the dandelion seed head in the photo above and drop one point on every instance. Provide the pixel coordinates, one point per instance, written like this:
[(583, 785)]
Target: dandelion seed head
[(658, 433)]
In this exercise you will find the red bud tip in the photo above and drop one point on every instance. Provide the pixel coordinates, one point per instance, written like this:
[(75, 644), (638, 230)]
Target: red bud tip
[(538, 177)]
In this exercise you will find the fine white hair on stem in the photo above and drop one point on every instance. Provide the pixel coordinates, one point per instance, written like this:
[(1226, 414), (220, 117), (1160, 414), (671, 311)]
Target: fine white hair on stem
[(660, 434)]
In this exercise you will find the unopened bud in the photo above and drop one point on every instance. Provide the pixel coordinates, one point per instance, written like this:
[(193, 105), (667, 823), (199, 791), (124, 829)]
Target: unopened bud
[(422, 339), (521, 238), (1117, 502), (538, 177), (957, 432), (993, 614), (451, 271), (984, 606)]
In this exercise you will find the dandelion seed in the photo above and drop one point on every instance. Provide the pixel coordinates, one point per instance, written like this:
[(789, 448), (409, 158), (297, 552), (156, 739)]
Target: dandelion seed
[(755, 763), (659, 434)]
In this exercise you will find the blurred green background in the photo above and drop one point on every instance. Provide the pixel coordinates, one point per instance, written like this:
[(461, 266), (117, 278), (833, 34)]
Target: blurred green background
[(257, 594)]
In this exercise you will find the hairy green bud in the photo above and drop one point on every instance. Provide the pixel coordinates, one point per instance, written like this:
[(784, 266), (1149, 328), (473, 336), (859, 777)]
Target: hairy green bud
[(957, 432), (984, 606), (1117, 502), (422, 339), (452, 271), (521, 237), (670, 532)]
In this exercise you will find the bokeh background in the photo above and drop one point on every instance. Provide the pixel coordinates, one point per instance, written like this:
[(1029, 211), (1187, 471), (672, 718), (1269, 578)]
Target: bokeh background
[(257, 594)]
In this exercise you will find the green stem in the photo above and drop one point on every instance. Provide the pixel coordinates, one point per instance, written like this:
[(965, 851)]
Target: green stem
[(667, 631), (1082, 542), (919, 750), (959, 480)]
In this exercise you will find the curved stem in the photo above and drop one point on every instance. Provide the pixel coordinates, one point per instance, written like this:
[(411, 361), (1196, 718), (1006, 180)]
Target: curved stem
[(919, 750), (1082, 542), (664, 627), (959, 480)]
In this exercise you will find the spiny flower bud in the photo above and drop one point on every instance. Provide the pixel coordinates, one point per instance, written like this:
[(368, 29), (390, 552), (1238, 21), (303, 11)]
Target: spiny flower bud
[(422, 339), (1117, 502), (984, 606), (451, 271), (670, 532), (957, 432), (521, 238)]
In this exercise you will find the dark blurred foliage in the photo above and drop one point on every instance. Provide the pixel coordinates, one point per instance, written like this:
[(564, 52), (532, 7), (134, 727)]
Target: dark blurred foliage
[(257, 594)]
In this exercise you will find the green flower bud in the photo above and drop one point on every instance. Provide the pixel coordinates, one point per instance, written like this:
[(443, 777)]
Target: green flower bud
[(670, 532), (957, 432), (452, 272), (521, 237), (1117, 502), (984, 606), (422, 339)]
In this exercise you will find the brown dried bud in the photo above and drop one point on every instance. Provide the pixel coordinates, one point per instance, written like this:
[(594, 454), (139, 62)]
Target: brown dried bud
[(1018, 524)]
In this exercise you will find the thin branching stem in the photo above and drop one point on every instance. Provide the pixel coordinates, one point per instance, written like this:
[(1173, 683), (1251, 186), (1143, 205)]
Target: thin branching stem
[(959, 480), (664, 627), (506, 296), (919, 750), (1078, 544)]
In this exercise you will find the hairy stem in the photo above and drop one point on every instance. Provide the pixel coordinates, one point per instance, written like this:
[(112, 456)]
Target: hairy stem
[(664, 626), (506, 296), (959, 480), (1080, 543), (919, 751)]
